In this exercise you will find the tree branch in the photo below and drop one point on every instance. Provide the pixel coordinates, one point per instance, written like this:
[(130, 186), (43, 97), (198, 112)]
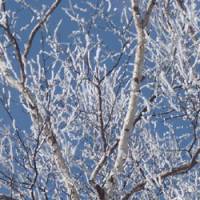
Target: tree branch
[(103, 160), (14, 42), (148, 12), (100, 115), (175, 171), (46, 127), (136, 77), (98, 168), (38, 26), (191, 29)]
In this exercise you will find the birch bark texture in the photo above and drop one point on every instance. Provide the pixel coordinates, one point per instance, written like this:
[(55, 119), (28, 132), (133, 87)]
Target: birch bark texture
[(45, 126), (29, 97), (140, 24)]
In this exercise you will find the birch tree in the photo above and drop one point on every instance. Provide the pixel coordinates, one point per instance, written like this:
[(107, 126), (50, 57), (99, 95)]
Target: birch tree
[(99, 99)]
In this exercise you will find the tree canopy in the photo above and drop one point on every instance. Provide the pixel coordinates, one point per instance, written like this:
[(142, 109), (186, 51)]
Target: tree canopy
[(99, 99)]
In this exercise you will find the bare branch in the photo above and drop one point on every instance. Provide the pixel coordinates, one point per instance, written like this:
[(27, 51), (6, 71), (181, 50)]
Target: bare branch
[(100, 107), (150, 6), (136, 77), (174, 172), (38, 26), (102, 161), (190, 29), (106, 155), (47, 130), (13, 40)]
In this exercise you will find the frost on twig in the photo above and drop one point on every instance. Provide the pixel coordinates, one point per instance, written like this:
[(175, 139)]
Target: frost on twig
[(88, 121)]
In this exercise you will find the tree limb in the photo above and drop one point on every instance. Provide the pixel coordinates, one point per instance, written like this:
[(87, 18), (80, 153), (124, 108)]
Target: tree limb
[(38, 26), (173, 172), (46, 127), (136, 78), (14, 42)]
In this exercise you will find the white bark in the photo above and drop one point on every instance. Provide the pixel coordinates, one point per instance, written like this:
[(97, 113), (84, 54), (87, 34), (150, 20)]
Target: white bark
[(47, 131), (135, 84), (130, 116)]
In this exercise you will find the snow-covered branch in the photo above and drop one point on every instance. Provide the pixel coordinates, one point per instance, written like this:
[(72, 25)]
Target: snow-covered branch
[(128, 126)]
